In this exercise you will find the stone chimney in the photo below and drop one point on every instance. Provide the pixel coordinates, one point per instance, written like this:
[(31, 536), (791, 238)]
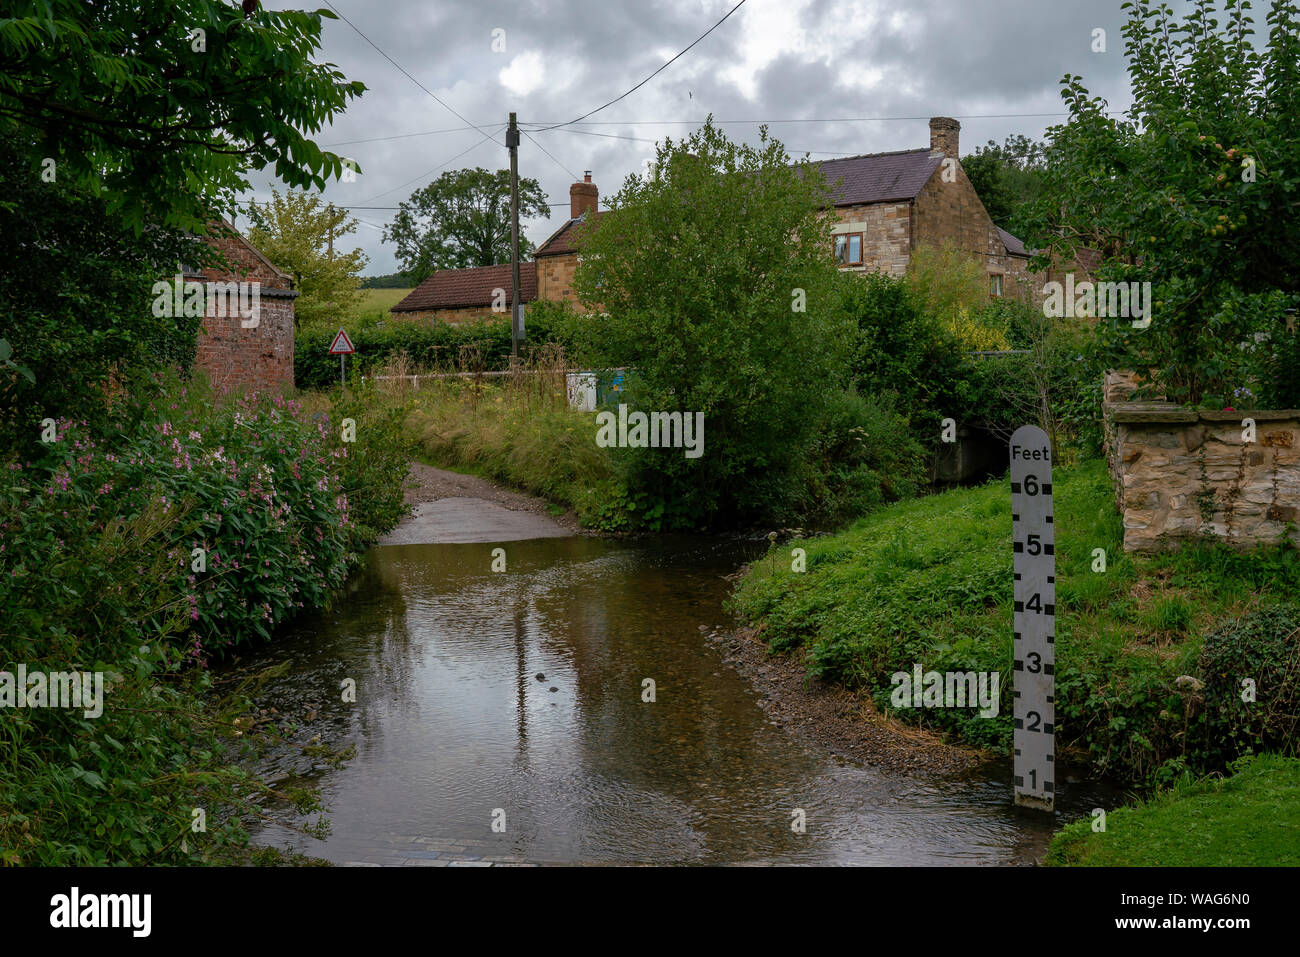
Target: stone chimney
[(582, 196), (943, 135)]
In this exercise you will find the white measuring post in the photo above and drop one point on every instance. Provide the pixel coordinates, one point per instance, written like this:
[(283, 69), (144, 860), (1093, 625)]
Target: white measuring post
[(342, 346), (1034, 618)]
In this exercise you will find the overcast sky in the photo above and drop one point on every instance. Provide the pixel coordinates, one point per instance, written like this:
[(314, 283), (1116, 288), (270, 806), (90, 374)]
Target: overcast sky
[(837, 62)]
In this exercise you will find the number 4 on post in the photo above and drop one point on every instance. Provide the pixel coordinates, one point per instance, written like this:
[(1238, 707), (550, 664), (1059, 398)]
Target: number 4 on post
[(1033, 618)]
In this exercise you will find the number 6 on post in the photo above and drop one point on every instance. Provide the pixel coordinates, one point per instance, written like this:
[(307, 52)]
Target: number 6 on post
[(1034, 618)]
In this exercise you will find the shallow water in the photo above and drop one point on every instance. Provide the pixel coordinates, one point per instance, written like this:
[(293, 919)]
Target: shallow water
[(451, 724)]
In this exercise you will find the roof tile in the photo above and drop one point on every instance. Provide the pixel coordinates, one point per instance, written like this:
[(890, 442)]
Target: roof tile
[(460, 288)]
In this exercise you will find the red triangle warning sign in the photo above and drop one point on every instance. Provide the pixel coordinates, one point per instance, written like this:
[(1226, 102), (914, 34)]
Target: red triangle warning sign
[(341, 345)]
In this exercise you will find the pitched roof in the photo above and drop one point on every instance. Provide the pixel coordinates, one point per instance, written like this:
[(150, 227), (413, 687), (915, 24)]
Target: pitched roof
[(458, 288), (879, 177), (1015, 247), (561, 241)]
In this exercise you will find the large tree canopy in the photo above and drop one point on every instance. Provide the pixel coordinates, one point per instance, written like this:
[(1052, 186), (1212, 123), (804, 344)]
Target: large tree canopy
[(1195, 190), (1006, 178), (717, 277), (462, 219), (164, 106)]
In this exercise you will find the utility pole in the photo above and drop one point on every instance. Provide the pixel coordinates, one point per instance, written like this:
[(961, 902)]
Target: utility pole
[(331, 214), (512, 142)]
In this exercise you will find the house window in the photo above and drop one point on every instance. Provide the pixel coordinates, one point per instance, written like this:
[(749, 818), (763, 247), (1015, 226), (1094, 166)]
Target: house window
[(995, 284), (848, 249)]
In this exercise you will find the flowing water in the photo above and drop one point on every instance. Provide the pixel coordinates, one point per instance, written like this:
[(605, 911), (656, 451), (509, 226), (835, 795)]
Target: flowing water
[(452, 724)]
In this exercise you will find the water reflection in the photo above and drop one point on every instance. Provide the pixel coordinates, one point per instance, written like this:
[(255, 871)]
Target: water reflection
[(451, 722)]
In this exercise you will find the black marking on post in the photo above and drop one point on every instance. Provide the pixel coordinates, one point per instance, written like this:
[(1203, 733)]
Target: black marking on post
[(1034, 628)]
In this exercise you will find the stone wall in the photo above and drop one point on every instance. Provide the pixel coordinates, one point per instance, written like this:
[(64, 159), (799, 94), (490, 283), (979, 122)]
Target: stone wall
[(951, 213), (886, 235), (1187, 474)]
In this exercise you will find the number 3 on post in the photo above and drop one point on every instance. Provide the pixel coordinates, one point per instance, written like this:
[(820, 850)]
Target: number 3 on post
[(1033, 618)]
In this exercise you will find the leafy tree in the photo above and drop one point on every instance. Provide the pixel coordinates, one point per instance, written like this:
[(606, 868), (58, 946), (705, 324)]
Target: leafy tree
[(705, 269), (1194, 190), (293, 231), (164, 106), (1006, 177), (462, 219), (75, 300), (392, 280)]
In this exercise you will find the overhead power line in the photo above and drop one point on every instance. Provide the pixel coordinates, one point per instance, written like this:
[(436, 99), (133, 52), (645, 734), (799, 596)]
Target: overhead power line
[(487, 136), (548, 153), (399, 66), (540, 126), (650, 77)]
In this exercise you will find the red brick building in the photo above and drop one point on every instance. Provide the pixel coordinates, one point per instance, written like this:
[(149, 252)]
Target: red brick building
[(252, 353), (456, 295)]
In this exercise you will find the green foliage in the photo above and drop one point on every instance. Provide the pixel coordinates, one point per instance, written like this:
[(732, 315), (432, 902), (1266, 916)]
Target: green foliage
[(97, 574), (1193, 190), (1250, 819), (426, 344), (1006, 178), (293, 231), (134, 105), (862, 455), (1263, 646), (77, 313), (952, 287), (392, 280), (702, 268), (929, 581), (462, 219)]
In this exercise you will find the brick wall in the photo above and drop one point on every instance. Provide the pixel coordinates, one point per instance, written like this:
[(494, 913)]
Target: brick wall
[(249, 360), (256, 359)]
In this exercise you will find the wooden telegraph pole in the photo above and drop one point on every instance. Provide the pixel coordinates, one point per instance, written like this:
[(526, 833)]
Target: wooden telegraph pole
[(512, 142)]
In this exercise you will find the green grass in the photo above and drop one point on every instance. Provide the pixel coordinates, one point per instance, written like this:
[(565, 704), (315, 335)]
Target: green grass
[(1249, 819), (381, 300), (929, 581), (524, 440)]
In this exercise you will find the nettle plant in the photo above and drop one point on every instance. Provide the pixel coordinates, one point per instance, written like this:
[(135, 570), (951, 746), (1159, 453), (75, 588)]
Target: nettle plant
[(1194, 189)]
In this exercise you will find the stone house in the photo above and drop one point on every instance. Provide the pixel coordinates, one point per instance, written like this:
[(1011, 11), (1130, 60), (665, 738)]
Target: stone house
[(888, 204), (885, 204), (240, 353)]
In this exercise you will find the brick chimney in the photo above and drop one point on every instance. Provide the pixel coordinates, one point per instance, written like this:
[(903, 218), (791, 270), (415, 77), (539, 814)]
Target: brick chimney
[(943, 135), (582, 196)]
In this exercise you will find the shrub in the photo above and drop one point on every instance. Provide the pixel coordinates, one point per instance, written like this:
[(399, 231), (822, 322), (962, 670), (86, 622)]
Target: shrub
[(428, 344), (1263, 646), (97, 574)]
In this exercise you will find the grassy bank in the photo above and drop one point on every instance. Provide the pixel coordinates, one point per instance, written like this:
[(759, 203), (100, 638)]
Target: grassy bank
[(929, 581), (1251, 819), (521, 434)]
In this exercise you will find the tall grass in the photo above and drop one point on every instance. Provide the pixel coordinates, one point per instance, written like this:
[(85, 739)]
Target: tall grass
[(516, 428)]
